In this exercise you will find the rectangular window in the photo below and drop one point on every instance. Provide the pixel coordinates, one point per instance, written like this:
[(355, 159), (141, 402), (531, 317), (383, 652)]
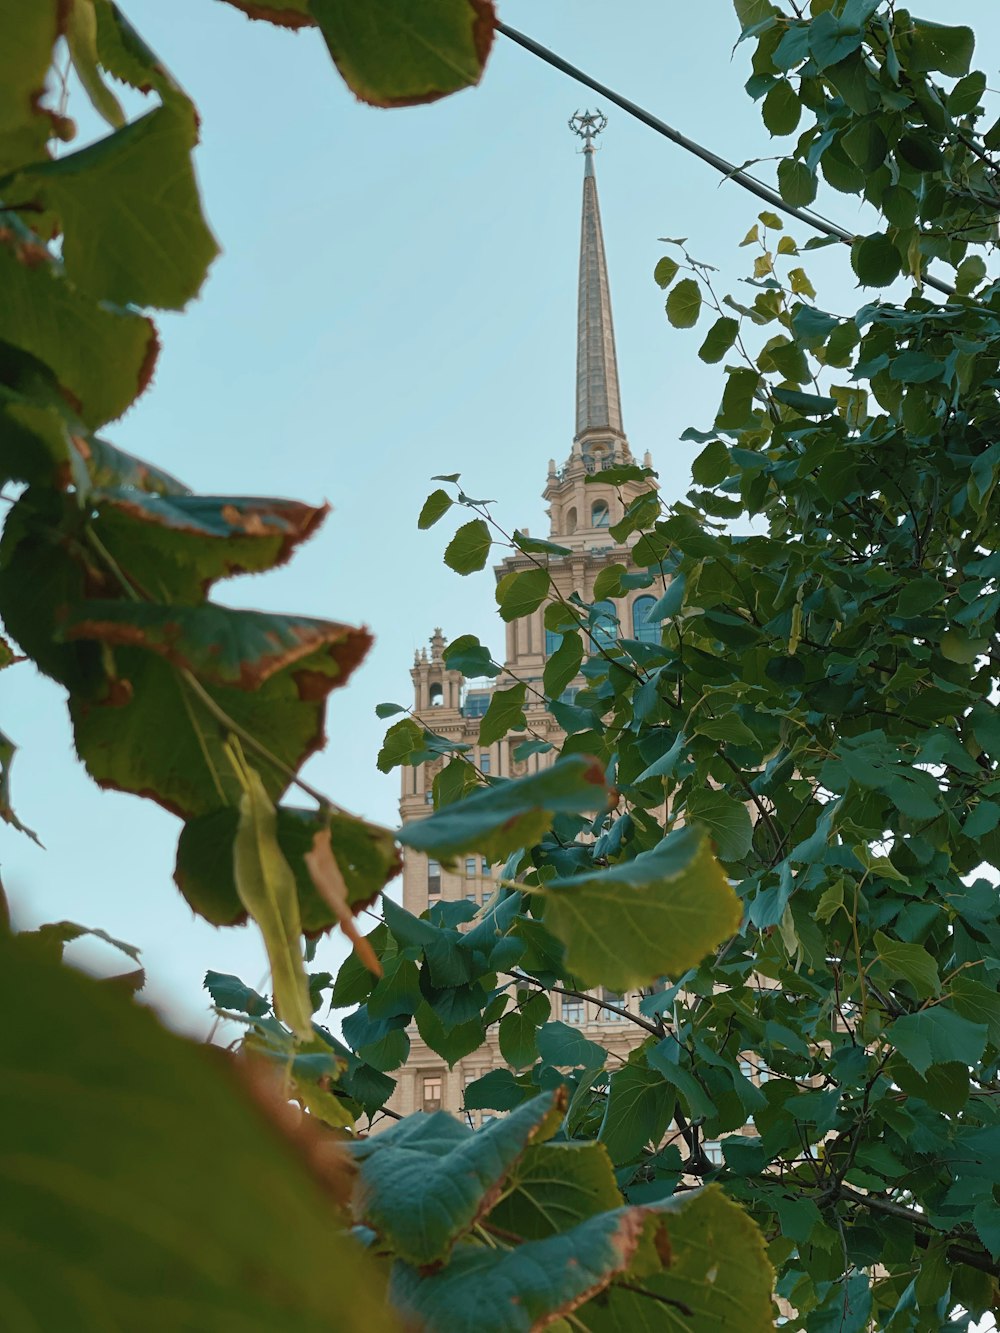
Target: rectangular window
[(432, 1093), (472, 897), (433, 877), (612, 997), (428, 797), (713, 1151), (484, 763), (747, 1070), (476, 705), (485, 866), (572, 1010), (470, 867)]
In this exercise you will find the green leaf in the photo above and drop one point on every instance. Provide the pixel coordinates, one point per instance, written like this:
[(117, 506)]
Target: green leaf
[(425, 1181), (388, 710), (737, 399), (718, 1270), (521, 592), (537, 546), (158, 1131), (875, 260), (684, 304), (566, 1047), (665, 271), (176, 546), (467, 655), (503, 818), (563, 666), (435, 506), (932, 46), (388, 60), (505, 713), (228, 992), (719, 339), (469, 549), (553, 1187), (727, 821), (978, 1003), (485, 1291), (7, 751), (796, 183), (103, 357), (270, 674), (266, 887), (133, 228), (405, 743), (781, 109), (638, 920), (936, 1036), (517, 1035), (911, 962), (639, 1108), (495, 1091), (31, 31)]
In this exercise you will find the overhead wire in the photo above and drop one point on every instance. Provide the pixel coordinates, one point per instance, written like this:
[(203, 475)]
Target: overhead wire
[(727, 169)]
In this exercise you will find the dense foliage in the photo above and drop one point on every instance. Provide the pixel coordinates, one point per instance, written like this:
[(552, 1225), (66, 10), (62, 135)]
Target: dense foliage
[(777, 823)]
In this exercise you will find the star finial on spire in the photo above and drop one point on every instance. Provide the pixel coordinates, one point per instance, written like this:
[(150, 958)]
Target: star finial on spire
[(588, 125)]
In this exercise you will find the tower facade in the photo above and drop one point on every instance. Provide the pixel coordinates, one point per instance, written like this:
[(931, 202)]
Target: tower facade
[(582, 510)]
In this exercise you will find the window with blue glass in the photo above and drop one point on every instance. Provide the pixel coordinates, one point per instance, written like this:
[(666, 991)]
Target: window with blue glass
[(600, 515), (604, 626), (552, 641), (476, 704), (642, 628)]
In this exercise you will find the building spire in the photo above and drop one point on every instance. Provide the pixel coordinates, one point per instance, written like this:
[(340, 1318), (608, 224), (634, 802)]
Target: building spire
[(598, 403)]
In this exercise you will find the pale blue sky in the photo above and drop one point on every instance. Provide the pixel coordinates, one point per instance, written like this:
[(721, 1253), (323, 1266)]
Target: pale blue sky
[(396, 298)]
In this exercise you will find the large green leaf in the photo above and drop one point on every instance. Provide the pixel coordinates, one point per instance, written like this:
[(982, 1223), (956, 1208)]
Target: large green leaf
[(366, 854), (656, 915), (639, 1108), (727, 820), (521, 592), (936, 1036), (493, 1291), (469, 549), (127, 743), (498, 820), (147, 1192), (30, 29), (222, 646), (133, 230), (102, 357), (718, 1275), (174, 547), (505, 713), (553, 1187), (387, 55), (426, 1181)]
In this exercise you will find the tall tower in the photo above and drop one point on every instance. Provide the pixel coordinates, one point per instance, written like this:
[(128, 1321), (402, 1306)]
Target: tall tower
[(582, 513)]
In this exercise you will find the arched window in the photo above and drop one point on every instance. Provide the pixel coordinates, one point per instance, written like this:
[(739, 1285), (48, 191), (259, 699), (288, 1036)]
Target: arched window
[(571, 520), (642, 629), (437, 695), (604, 624), (553, 639), (600, 516)]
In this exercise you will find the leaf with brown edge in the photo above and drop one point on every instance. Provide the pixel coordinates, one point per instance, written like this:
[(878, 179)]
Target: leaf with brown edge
[(528, 1287), (155, 1153), (226, 647), (30, 31), (282, 13), (174, 547), (393, 53), (428, 1180), (159, 733), (102, 356), (331, 887)]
